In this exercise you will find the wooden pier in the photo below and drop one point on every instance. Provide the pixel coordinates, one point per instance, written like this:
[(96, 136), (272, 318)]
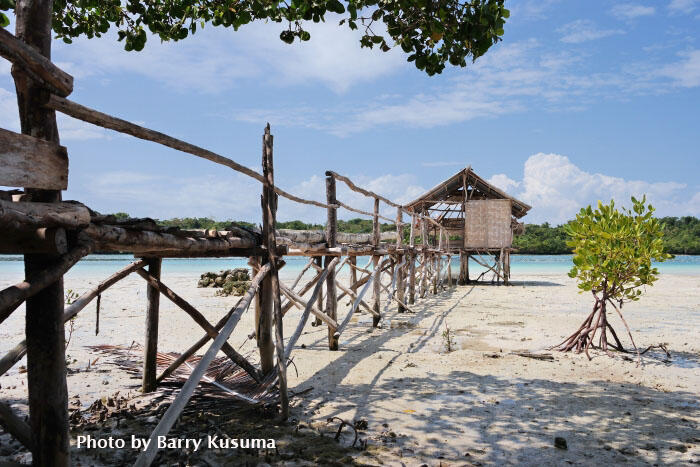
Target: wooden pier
[(53, 235)]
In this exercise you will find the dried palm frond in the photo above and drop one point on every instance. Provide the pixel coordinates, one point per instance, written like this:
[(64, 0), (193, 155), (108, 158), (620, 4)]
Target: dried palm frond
[(223, 378)]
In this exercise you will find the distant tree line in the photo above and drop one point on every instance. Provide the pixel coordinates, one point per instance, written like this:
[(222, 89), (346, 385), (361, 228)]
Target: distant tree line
[(681, 234)]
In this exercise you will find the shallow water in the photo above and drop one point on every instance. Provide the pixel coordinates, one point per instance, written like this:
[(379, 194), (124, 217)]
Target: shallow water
[(104, 265)]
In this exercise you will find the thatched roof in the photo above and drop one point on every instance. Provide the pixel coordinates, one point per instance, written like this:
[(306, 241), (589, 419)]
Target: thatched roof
[(451, 192)]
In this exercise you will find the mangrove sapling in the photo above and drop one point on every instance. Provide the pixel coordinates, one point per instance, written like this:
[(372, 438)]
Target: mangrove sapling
[(613, 251)]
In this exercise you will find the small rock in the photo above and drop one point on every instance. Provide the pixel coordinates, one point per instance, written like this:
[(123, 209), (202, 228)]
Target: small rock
[(560, 443), (105, 382), (679, 448)]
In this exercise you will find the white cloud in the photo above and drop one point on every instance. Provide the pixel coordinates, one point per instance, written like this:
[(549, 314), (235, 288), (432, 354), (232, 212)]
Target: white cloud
[(556, 189), (504, 183), (584, 30), (531, 9), (682, 6), (631, 10), (686, 72), (216, 59)]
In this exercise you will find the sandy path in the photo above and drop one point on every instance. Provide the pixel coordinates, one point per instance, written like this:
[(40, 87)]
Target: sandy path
[(477, 404)]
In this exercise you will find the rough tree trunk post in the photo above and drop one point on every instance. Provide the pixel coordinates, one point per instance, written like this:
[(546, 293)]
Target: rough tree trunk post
[(463, 268), (400, 275), (150, 347), (353, 275), (273, 307), (376, 305), (46, 362), (424, 266), (449, 270), (412, 264), (318, 261), (331, 229), (506, 267), (266, 293)]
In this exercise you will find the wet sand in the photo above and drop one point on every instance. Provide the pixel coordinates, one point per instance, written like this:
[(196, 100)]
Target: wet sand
[(478, 404)]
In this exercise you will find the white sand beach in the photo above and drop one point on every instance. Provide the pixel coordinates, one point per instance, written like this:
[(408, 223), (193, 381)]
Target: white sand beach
[(477, 405)]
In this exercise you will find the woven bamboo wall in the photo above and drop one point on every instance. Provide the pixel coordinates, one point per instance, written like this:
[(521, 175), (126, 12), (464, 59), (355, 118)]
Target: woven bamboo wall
[(488, 224)]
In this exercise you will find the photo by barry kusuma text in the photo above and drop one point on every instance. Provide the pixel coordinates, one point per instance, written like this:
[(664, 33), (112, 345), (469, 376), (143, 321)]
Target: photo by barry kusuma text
[(164, 442)]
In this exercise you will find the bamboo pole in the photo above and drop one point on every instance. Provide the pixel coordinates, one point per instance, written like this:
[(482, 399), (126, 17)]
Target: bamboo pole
[(151, 346), (171, 415)]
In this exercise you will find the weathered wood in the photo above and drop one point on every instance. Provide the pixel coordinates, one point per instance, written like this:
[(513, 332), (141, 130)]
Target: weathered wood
[(35, 215), (26, 161), (376, 291), (46, 358), (399, 244), (33, 63), (353, 273), (113, 238), (353, 285), (449, 270), (199, 318), (106, 121), (171, 415), (360, 211), (41, 240), (331, 230), (20, 350), (372, 279), (412, 278), (13, 425), (308, 309), (150, 347), (463, 268), (13, 296), (269, 207), (315, 309)]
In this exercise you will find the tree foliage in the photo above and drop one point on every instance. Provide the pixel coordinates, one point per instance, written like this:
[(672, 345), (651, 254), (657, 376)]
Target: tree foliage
[(432, 32), (613, 249)]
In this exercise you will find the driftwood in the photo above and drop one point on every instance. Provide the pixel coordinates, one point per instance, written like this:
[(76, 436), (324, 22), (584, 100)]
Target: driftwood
[(171, 415), (34, 64), (30, 162), (106, 121)]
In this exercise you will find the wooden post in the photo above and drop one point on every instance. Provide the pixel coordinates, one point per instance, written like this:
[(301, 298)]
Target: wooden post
[(331, 230), (318, 261), (46, 360), (506, 267), (463, 268), (353, 274), (424, 244), (150, 347), (400, 256), (272, 305), (412, 264), (449, 270), (376, 285)]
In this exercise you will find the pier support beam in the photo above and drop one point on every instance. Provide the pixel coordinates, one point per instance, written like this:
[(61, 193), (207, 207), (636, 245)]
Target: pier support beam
[(150, 347), (463, 268), (376, 285), (46, 359), (331, 230)]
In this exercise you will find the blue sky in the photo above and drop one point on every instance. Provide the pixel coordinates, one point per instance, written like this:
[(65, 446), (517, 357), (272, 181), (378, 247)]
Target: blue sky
[(581, 101)]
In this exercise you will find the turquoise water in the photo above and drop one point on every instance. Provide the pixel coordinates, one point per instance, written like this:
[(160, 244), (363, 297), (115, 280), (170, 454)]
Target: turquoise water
[(102, 265)]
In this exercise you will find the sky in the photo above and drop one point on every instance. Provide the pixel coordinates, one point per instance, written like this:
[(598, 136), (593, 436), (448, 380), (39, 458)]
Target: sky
[(581, 101)]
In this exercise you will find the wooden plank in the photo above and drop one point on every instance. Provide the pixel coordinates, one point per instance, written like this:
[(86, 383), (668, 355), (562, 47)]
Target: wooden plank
[(34, 64), (29, 162)]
